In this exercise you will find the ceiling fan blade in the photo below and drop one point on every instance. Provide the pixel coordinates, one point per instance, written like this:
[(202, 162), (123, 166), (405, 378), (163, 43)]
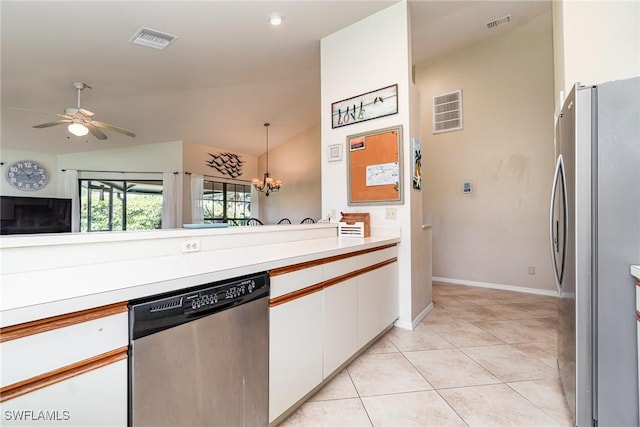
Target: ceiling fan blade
[(95, 131), (113, 128), (46, 125), (40, 112), (87, 113)]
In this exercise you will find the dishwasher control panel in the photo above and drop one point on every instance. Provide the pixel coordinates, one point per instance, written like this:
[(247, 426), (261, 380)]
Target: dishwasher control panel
[(153, 314), (222, 295)]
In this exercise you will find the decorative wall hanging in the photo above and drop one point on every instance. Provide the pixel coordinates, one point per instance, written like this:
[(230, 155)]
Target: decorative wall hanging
[(368, 106), (374, 167), (416, 162), (27, 175), (226, 163)]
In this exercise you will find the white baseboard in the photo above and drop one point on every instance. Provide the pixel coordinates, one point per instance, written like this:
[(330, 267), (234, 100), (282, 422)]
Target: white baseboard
[(496, 286), (414, 324)]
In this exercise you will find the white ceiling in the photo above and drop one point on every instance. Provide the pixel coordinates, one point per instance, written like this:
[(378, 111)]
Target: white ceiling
[(226, 74)]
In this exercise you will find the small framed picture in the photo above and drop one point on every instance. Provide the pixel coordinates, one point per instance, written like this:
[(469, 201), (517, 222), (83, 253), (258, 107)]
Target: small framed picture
[(335, 153)]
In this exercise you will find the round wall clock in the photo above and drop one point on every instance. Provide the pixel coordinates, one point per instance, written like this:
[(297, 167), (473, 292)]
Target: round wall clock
[(27, 175)]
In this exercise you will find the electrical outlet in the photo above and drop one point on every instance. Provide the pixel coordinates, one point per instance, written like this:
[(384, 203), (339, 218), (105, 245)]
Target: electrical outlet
[(532, 270), (391, 213), (190, 245)]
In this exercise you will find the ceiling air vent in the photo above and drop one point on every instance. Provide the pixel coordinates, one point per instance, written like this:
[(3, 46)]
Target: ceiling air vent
[(447, 112), (497, 22), (152, 38)]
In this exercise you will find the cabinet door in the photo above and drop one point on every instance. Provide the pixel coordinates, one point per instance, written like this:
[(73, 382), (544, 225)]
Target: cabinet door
[(295, 351), (340, 324), (377, 301), (389, 300), (94, 398), (369, 319)]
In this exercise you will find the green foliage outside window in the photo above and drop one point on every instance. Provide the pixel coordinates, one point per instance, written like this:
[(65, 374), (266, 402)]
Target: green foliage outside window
[(107, 201)]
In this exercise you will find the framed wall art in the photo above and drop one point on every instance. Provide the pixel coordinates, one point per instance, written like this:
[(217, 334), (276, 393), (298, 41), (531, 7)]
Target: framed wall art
[(368, 106), (416, 163)]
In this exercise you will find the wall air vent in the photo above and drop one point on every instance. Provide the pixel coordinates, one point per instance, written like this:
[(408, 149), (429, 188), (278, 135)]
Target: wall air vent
[(152, 38), (498, 22), (447, 112)]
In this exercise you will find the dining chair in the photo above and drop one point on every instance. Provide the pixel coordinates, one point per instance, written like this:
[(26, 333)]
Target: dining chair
[(308, 220), (254, 221), (284, 221)]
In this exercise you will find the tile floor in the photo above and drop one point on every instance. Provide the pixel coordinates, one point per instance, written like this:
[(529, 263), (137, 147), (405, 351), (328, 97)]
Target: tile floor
[(482, 357)]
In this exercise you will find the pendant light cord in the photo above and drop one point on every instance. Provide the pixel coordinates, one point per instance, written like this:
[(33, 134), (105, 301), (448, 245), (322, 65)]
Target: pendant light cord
[(266, 126)]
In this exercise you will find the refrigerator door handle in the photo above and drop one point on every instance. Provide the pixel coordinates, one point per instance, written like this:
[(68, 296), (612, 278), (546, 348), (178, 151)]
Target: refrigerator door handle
[(554, 224)]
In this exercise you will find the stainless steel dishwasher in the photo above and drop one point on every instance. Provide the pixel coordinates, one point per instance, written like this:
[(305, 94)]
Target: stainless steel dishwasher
[(200, 357)]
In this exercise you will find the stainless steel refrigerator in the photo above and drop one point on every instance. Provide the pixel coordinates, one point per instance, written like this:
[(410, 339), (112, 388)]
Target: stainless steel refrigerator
[(595, 237)]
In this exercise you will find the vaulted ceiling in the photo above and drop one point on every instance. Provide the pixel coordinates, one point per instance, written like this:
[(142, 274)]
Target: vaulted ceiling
[(226, 74)]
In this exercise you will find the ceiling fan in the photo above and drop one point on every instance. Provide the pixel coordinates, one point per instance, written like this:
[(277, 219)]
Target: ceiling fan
[(80, 121)]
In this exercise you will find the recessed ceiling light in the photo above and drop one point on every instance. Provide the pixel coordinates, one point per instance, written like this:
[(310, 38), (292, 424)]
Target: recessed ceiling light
[(275, 18)]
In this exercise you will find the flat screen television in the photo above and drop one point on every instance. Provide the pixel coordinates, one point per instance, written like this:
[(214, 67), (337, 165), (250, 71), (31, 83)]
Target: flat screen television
[(32, 215)]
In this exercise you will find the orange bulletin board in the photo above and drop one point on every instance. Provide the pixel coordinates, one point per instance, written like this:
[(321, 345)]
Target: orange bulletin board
[(375, 167)]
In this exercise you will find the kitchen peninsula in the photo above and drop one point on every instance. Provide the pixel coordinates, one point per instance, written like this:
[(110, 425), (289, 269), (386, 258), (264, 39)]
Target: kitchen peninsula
[(65, 328)]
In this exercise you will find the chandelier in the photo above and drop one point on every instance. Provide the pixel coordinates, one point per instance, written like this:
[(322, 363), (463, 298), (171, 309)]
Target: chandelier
[(267, 184)]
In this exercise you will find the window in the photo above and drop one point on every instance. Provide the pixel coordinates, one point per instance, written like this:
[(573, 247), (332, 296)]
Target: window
[(115, 205), (225, 201)]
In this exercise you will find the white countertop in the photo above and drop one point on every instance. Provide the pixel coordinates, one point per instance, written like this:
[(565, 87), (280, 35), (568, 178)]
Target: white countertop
[(635, 271), (44, 276)]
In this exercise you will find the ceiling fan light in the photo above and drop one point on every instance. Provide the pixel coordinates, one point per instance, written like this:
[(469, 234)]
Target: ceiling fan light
[(78, 129)]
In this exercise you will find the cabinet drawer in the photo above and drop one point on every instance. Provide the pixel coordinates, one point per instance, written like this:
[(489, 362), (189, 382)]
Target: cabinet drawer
[(32, 355), (339, 268), (375, 257), (290, 282)]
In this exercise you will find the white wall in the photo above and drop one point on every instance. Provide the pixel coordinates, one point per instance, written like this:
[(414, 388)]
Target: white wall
[(50, 162), (506, 148), (161, 157), (297, 163), (366, 56), (595, 42)]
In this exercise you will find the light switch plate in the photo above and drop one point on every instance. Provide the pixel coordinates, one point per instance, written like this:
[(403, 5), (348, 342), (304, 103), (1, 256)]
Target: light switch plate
[(391, 213)]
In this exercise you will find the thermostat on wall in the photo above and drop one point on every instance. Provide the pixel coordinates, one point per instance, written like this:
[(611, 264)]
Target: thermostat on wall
[(466, 187)]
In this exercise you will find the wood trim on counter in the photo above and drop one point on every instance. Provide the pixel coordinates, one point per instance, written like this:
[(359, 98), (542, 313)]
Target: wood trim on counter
[(18, 389), (22, 330), (295, 295), (316, 262), (327, 283), (336, 280)]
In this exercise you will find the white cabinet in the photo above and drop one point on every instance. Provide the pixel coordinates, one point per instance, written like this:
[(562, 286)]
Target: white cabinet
[(340, 324), (369, 318), (295, 351), (94, 398), (321, 314), (68, 370), (377, 301), (389, 294)]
